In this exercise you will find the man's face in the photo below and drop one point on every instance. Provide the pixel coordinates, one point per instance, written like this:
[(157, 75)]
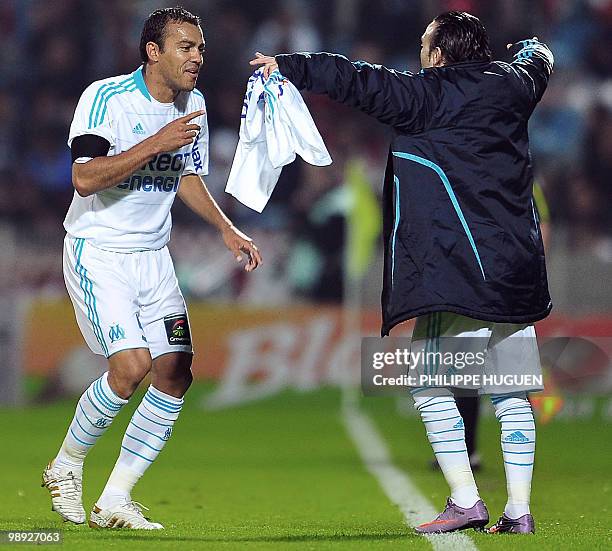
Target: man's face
[(429, 58), (181, 58)]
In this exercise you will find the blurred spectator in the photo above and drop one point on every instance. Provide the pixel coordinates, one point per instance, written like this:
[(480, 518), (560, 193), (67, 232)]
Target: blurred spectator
[(48, 163), (288, 30)]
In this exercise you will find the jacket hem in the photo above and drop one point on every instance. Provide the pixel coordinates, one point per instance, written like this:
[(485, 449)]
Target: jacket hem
[(484, 316)]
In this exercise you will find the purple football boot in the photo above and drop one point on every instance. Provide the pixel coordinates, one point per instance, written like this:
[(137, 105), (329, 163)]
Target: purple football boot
[(456, 518), (521, 525)]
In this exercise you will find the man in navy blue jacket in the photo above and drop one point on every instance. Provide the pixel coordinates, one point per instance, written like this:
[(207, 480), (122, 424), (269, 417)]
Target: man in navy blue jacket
[(463, 248)]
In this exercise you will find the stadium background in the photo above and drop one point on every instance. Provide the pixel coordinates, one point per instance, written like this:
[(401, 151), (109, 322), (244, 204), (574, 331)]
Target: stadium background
[(281, 339)]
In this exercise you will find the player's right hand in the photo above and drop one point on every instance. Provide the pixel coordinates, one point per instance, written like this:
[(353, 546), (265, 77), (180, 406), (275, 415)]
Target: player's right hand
[(177, 133)]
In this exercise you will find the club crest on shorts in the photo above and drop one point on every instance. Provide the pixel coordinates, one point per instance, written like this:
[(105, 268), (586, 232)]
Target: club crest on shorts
[(177, 329), (116, 333)]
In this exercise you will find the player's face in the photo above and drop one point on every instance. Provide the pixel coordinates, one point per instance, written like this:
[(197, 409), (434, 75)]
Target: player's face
[(182, 55), (429, 58)]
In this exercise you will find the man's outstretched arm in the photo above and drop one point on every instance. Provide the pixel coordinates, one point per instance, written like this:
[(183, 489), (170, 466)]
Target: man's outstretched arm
[(402, 100)]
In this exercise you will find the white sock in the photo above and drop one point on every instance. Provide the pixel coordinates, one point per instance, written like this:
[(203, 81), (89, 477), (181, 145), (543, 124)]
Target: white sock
[(518, 447), (95, 412), (446, 434), (145, 436)]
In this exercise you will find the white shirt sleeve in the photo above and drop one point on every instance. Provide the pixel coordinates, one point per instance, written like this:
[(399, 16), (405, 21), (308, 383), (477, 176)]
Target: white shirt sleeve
[(197, 162), (92, 115)]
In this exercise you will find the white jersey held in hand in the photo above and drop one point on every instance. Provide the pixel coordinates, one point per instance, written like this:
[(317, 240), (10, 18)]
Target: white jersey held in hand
[(135, 214), (275, 126)]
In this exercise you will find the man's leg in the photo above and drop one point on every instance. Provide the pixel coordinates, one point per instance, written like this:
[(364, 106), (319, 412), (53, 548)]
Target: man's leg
[(446, 434), (162, 317), (518, 447), (95, 412), (150, 427), (513, 351), (100, 403), (464, 509)]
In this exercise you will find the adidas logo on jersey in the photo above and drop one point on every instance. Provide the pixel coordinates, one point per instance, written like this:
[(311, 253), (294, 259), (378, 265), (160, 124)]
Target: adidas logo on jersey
[(138, 129)]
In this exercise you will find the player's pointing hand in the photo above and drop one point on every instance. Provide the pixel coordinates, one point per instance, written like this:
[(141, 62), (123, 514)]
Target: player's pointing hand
[(239, 243), (179, 133), (268, 62)]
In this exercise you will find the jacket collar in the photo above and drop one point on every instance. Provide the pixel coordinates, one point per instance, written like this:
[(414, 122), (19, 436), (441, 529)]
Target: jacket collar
[(460, 65)]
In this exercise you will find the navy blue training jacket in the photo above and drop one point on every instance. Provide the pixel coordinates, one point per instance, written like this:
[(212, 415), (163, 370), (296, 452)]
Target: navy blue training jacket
[(461, 232)]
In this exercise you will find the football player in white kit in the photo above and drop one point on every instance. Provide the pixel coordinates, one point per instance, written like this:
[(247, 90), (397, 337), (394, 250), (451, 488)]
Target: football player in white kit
[(137, 141)]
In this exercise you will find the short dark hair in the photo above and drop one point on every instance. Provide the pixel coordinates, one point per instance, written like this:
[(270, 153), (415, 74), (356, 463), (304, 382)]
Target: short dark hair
[(460, 37), (154, 29)]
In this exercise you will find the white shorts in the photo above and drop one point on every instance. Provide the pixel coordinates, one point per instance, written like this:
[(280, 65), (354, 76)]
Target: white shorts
[(509, 351), (126, 300)]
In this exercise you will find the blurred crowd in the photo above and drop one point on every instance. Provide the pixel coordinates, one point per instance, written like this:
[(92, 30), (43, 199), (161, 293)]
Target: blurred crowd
[(51, 50)]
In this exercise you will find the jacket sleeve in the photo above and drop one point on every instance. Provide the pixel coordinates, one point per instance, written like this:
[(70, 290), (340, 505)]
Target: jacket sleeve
[(533, 63), (399, 99)]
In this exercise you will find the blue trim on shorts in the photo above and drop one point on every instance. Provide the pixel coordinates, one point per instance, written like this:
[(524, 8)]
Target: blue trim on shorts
[(90, 299)]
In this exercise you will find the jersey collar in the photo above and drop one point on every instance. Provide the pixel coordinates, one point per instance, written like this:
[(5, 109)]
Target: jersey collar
[(140, 83)]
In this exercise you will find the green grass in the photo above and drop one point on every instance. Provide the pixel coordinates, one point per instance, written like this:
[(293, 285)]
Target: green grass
[(282, 474), (571, 489)]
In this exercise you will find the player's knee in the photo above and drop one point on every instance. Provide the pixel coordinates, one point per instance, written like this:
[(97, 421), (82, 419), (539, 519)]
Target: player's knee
[(181, 375), (127, 372), (172, 374)]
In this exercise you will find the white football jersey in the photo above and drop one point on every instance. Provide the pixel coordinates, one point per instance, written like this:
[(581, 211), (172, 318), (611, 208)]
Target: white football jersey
[(135, 214)]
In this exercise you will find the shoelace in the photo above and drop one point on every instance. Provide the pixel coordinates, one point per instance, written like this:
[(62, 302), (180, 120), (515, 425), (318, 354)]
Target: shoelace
[(442, 515), (137, 508)]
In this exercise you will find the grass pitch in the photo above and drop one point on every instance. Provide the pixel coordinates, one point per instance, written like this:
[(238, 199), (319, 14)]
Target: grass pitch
[(283, 474)]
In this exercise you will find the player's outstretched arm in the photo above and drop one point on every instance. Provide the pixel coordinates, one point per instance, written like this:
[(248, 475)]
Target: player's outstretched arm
[(194, 193), (103, 172)]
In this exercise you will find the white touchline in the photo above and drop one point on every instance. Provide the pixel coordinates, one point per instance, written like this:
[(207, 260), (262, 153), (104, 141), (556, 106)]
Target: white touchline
[(395, 483)]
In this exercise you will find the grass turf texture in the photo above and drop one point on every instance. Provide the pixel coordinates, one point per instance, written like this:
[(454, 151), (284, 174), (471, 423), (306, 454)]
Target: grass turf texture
[(283, 473)]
